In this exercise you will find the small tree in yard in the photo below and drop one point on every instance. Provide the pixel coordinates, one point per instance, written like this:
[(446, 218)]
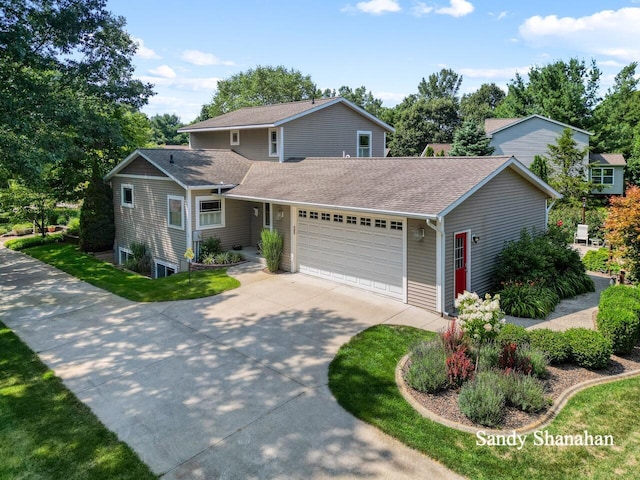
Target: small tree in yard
[(569, 170), (272, 246), (27, 204), (470, 140), (540, 168), (623, 228), (97, 229)]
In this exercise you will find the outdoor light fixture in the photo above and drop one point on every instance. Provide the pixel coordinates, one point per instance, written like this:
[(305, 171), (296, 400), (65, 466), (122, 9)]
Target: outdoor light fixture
[(475, 238), (280, 214), (418, 234), (256, 212)]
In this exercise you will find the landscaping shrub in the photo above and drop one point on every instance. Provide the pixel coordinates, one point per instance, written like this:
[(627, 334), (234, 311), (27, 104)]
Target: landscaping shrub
[(208, 259), (551, 343), (527, 301), (272, 247), (598, 261), (97, 227), (589, 348), (236, 257), (460, 367), (22, 243), (480, 319), (452, 338), (524, 392), (73, 227), (209, 247), (482, 399), (427, 371), (620, 325), (140, 259), (510, 361), (488, 356), (510, 333), (526, 355), (223, 258), (22, 228)]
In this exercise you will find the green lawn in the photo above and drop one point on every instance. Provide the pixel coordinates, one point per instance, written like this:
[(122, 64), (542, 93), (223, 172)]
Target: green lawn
[(130, 285), (46, 432), (362, 379)]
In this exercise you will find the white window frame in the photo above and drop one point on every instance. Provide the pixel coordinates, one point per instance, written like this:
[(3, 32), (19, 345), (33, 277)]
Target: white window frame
[(122, 188), (237, 140), (266, 215), (271, 143), (181, 199), (126, 252), (370, 135), (602, 176), (199, 226), (166, 265)]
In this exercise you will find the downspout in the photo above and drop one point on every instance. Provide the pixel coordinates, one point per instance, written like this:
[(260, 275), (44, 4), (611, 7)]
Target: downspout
[(189, 220), (281, 140), (547, 210), (438, 227)]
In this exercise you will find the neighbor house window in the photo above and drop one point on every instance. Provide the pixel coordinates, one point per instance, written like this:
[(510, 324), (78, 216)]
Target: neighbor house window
[(165, 269), (126, 195), (175, 211), (364, 144), (602, 176), (210, 212), (273, 142), (234, 137), (124, 255)]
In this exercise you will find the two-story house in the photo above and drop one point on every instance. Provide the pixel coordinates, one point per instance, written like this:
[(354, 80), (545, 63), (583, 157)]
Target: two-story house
[(420, 230)]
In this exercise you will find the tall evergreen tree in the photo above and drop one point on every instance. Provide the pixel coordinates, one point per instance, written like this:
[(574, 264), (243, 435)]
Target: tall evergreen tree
[(540, 168), (97, 227), (569, 167), (470, 140)]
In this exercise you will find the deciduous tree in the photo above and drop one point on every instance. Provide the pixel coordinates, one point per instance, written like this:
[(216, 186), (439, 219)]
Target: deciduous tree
[(622, 228), (165, 130)]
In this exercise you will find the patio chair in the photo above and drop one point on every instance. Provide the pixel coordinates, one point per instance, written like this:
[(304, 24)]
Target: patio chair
[(582, 233)]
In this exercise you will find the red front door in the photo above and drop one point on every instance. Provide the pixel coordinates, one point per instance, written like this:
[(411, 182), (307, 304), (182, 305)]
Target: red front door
[(460, 263)]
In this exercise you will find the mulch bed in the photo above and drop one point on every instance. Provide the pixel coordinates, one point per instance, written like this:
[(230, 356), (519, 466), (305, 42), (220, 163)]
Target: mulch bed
[(561, 378)]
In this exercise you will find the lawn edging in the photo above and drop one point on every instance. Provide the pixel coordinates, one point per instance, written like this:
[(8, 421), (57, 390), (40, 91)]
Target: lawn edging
[(544, 421)]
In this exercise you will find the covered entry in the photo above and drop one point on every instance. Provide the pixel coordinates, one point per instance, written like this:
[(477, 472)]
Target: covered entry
[(365, 251)]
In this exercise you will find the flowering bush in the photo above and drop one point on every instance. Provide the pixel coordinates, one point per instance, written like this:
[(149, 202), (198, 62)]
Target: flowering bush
[(480, 319)]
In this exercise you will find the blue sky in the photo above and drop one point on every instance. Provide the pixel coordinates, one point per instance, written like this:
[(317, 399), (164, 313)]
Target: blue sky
[(386, 45)]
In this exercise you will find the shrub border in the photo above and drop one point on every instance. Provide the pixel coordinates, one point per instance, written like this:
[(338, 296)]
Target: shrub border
[(544, 421)]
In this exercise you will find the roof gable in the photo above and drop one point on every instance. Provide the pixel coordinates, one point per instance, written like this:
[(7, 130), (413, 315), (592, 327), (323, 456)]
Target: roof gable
[(275, 115), (609, 159), (192, 168), (495, 125)]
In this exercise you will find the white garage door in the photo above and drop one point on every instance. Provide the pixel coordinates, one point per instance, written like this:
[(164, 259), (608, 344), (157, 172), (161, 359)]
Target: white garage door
[(359, 250)]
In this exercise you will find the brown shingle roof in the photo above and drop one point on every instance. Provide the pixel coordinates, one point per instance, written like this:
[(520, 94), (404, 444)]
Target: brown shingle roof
[(415, 185), (437, 148), (193, 168), (614, 159), (262, 115), (493, 124)]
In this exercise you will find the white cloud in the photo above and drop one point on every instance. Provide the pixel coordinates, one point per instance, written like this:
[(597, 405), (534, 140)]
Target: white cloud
[(456, 8), (374, 7), (201, 59), (185, 109), (144, 52), (610, 32), (192, 84), (421, 8), (164, 71), (391, 98), (499, 16)]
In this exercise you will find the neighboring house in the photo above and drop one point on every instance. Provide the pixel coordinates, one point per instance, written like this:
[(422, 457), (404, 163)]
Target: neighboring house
[(607, 171), (527, 137), (438, 149), (326, 127)]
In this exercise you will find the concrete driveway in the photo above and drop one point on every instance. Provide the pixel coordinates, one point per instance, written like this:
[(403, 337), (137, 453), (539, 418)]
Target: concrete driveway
[(232, 386)]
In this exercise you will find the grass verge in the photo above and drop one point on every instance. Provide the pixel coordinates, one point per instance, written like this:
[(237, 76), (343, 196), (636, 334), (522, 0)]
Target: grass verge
[(362, 378), (130, 285), (46, 432)]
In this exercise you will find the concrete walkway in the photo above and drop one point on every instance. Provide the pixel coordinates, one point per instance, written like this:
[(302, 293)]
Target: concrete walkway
[(227, 387)]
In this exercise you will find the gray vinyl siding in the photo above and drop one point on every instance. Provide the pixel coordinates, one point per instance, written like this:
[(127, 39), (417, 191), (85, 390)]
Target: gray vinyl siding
[(530, 138), (237, 223), (330, 132), (421, 266), (618, 182), (147, 221), (283, 226), (254, 142), (497, 213), (140, 166)]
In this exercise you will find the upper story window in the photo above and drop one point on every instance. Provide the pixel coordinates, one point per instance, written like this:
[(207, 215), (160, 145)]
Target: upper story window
[(210, 212), (364, 144), (175, 211), (126, 195), (602, 176), (234, 137), (273, 142)]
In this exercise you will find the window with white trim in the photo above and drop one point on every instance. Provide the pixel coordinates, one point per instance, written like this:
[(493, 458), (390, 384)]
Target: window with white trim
[(234, 137), (273, 142), (267, 215), (175, 211), (123, 255), (126, 195), (165, 269), (602, 176), (302, 213), (209, 212), (364, 144)]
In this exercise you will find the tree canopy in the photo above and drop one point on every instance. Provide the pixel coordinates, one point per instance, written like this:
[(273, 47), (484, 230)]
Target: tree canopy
[(470, 140), (165, 130), (568, 167)]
